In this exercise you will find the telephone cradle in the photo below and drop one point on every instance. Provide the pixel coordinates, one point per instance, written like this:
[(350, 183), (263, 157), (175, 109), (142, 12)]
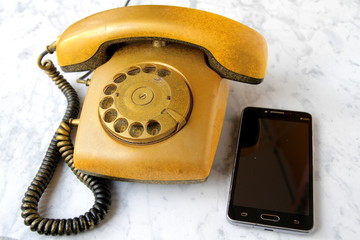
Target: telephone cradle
[(155, 103)]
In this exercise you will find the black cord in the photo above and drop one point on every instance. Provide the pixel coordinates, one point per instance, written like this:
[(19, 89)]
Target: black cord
[(62, 147)]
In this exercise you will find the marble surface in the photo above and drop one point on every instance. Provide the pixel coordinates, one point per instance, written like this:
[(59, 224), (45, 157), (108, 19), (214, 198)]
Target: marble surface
[(314, 66)]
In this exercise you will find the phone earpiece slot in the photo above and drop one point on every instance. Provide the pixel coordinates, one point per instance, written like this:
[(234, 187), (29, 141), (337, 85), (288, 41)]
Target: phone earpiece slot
[(277, 112)]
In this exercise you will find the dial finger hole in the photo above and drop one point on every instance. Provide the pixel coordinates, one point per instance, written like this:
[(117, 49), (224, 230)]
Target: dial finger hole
[(136, 129), (121, 125), (163, 72), (106, 102), (119, 78), (153, 127), (149, 69), (110, 89), (133, 71), (110, 115)]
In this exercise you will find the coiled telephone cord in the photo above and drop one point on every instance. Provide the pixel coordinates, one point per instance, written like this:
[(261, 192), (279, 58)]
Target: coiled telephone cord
[(62, 147)]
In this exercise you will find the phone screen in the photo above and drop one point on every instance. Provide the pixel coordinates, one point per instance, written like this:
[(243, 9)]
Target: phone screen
[(273, 170)]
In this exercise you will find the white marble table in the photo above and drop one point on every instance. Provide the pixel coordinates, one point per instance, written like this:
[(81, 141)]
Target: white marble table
[(314, 66)]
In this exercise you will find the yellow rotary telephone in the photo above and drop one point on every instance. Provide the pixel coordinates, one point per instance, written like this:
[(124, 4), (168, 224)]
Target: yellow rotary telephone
[(155, 104)]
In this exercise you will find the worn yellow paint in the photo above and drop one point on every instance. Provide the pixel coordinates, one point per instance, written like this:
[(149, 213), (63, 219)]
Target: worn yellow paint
[(234, 50)]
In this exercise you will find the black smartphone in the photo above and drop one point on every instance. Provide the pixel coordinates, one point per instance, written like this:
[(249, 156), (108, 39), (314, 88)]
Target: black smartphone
[(272, 182)]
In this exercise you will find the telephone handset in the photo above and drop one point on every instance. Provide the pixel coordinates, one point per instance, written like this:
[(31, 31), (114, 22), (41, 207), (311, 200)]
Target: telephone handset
[(156, 101)]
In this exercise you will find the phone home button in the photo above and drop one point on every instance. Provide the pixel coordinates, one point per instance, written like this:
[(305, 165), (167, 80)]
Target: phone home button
[(270, 217)]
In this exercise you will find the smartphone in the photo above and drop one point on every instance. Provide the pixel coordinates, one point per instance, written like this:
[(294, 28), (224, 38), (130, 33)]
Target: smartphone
[(272, 182)]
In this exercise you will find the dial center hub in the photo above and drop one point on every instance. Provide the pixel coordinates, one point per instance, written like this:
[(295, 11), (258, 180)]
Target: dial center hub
[(142, 96)]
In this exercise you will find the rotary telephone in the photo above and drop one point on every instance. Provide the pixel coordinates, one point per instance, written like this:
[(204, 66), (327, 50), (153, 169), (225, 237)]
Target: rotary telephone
[(155, 104)]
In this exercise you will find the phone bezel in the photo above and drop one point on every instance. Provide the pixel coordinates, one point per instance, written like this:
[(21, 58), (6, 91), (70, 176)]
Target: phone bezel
[(287, 221)]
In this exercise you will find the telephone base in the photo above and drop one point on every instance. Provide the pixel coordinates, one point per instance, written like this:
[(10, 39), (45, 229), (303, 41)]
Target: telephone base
[(186, 155)]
